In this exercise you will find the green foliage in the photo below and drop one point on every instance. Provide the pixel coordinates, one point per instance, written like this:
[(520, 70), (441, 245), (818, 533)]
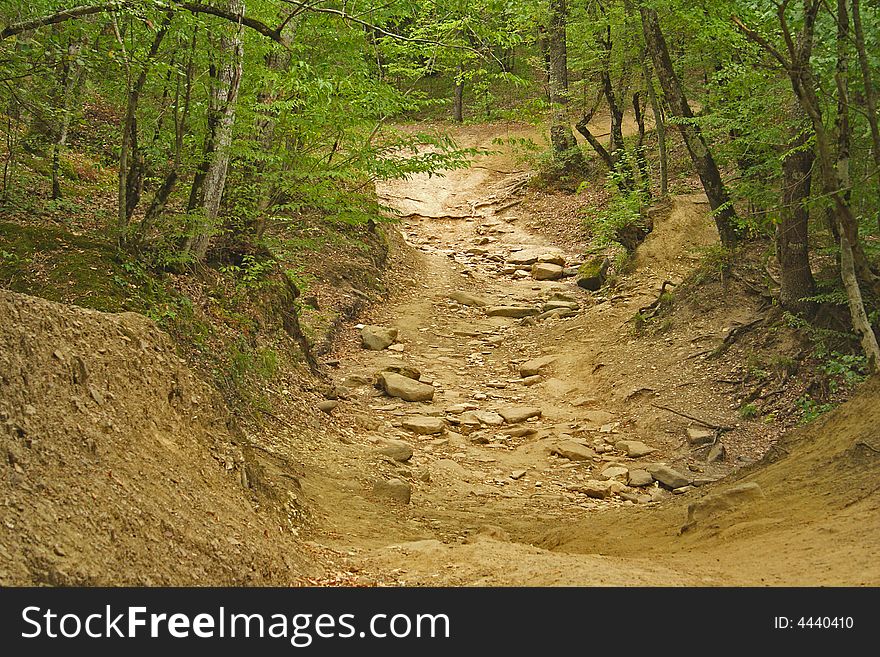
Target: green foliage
[(844, 370), (624, 212), (810, 409), (748, 411)]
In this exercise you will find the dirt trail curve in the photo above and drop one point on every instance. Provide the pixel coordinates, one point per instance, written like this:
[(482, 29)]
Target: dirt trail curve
[(513, 473)]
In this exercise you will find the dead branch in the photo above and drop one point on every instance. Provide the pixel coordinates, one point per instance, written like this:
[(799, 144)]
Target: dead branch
[(718, 427)]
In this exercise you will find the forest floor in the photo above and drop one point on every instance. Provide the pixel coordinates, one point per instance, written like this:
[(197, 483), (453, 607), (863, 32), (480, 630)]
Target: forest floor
[(528, 502), (122, 466)]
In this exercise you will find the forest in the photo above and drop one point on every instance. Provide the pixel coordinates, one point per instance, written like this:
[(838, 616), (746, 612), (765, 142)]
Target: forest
[(268, 181), (228, 120)]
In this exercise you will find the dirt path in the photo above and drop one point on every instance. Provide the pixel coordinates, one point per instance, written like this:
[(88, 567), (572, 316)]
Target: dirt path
[(487, 489)]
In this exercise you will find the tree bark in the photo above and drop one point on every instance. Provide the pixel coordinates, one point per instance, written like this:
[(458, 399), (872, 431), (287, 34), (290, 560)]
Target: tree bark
[(561, 137), (792, 234), (834, 169), (870, 92), (704, 163), (223, 102), (861, 323), (71, 74), (660, 129), (641, 160)]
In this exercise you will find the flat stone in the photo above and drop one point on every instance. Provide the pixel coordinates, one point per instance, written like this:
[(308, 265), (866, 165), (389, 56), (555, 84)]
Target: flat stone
[(598, 490), (467, 419), (468, 299), (517, 414), (613, 472), (524, 257), (536, 366), (544, 271), (571, 306), (520, 432), (572, 451), (518, 474), (532, 380), (378, 338), (489, 418), (668, 476), (328, 405), (634, 449), (394, 489), (697, 436), (397, 450), (638, 478), (402, 387), (514, 312), (424, 424), (552, 258)]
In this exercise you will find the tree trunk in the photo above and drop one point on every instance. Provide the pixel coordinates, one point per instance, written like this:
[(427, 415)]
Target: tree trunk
[(583, 127), (792, 234), (870, 92), (861, 323), (660, 129), (701, 157), (180, 114), (224, 98), (71, 76), (129, 127), (561, 137), (641, 160)]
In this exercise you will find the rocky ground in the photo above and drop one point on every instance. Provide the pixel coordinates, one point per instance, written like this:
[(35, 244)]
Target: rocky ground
[(500, 402), (498, 420)]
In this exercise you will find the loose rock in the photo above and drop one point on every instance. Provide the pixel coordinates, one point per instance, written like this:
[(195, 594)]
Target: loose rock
[(634, 449), (668, 476), (378, 338), (398, 450), (543, 271), (591, 275), (536, 366), (468, 299), (486, 417), (514, 312), (328, 405), (697, 436), (552, 258), (638, 478), (599, 490), (613, 472), (717, 453), (572, 451), (425, 425), (402, 387)]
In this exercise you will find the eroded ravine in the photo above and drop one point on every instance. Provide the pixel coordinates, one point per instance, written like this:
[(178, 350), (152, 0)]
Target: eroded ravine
[(482, 478)]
